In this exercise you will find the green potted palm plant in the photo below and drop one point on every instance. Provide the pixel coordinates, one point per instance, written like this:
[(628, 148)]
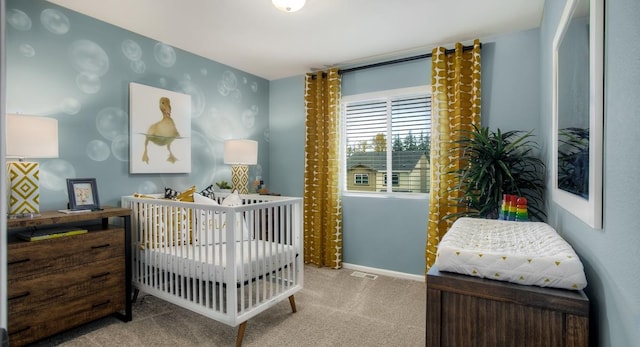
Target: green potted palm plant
[(498, 163)]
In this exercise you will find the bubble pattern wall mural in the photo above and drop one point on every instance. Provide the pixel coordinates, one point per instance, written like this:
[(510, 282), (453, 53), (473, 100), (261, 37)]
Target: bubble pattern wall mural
[(98, 150), (198, 101), (133, 52), (27, 50), (18, 19), (54, 21), (111, 122), (70, 106), (77, 69), (164, 54)]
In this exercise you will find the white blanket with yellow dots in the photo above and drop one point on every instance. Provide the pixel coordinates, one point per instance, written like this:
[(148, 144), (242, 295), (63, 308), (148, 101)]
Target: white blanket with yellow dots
[(530, 253)]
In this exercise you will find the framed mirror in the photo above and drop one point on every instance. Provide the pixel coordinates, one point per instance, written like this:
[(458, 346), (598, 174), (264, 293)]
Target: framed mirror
[(578, 92)]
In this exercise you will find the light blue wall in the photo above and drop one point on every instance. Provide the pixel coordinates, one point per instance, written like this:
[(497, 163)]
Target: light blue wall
[(77, 69), (286, 147), (510, 81), (402, 75), (390, 233), (385, 233), (611, 256)]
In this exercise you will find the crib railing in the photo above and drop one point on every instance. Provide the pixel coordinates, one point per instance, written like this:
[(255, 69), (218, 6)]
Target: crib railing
[(227, 263)]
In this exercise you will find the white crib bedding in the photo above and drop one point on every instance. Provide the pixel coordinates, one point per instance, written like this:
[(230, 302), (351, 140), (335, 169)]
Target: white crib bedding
[(530, 253), (254, 259)]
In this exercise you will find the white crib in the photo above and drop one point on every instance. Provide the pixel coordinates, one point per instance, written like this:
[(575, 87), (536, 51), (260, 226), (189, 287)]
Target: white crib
[(226, 263)]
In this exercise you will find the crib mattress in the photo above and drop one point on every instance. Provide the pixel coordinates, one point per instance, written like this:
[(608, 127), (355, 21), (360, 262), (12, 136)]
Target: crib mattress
[(254, 259), (529, 253)]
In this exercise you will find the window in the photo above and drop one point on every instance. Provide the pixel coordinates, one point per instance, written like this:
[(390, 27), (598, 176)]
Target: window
[(387, 133), (361, 179), (395, 179)]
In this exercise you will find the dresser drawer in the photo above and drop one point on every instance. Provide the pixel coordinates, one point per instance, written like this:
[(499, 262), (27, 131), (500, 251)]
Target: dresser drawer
[(32, 325), (47, 289), (30, 258)]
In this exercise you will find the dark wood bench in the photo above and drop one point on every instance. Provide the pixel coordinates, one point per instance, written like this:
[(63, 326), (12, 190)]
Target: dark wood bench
[(470, 311)]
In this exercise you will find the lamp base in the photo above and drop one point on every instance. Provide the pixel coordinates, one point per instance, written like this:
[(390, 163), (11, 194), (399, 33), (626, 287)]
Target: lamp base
[(24, 197), (240, 178)]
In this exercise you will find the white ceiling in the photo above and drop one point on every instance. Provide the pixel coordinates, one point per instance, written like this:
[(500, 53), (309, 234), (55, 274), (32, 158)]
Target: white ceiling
[(251, 35)]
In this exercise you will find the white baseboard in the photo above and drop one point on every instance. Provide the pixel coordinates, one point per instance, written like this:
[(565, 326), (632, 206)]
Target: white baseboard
[(384, 272)]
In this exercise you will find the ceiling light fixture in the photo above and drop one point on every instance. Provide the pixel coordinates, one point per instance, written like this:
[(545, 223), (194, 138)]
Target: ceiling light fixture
[(288, 5)]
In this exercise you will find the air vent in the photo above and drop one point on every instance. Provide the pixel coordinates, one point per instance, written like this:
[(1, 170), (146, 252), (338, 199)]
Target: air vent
[(364, 275)]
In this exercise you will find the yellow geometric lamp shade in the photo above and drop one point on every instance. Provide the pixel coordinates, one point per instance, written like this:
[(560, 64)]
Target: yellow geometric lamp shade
[(24, 197)]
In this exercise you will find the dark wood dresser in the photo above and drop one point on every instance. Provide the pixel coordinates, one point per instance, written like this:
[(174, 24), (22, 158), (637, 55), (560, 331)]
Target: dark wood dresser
[(59, 283)]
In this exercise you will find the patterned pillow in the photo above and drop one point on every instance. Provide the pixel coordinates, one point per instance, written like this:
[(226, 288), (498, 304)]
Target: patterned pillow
[(215, 223), (187, 195), (165, 227), (208, 192), (147, 196), (170, 193), (200, 198), (232, 199)]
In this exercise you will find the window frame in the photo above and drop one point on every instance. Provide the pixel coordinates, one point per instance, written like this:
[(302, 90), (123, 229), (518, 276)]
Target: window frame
[(363, 176), (383, 95), (395, 179)]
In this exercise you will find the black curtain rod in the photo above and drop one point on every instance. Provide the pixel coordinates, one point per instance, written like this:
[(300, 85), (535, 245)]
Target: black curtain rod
[(384, 63), (400, 60)]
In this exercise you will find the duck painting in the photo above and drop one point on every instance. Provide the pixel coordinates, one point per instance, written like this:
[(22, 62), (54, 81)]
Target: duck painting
[(159, 142), (163, 132)]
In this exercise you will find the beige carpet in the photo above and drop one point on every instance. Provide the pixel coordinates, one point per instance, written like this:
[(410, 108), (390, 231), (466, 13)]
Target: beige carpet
[(334, 309)]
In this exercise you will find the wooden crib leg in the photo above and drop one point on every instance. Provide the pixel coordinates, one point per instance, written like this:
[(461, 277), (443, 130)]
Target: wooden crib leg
[(241, 328), (292, 301), (135, 295), (243, 325)]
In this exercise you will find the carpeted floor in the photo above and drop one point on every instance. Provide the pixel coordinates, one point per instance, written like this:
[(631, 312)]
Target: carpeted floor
[(334, 309)]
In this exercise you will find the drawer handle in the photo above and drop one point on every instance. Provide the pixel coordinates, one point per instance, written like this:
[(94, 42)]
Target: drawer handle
[(19, 296), (101, 246), (101, 304), (16, 332), (13, 262), (101, 275)]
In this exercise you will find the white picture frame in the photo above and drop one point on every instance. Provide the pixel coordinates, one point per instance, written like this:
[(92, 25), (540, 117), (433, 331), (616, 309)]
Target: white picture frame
[(159, 130)]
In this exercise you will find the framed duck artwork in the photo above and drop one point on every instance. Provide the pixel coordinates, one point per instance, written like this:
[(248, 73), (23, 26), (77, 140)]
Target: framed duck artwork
[(160, 130)]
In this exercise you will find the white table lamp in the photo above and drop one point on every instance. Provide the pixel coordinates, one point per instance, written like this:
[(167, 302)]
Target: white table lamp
[(240, 154), (28, 137)]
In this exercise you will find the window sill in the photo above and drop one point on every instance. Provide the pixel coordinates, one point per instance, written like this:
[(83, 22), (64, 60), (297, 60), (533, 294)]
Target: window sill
[(385, 195)]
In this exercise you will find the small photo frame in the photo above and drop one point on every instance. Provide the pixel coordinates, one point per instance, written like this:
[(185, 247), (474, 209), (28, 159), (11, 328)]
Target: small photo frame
[(83, 194)]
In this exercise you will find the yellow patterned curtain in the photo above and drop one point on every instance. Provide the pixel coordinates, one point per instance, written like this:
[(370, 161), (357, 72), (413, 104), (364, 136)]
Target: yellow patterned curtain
[(455, 81), (322, 204)]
